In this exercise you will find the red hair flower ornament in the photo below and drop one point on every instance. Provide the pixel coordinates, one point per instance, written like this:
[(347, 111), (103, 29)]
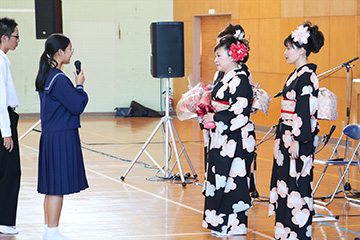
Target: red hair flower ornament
[(238, 51)]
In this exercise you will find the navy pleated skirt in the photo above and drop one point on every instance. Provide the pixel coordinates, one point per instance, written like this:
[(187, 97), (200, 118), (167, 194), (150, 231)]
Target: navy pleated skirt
[(61, 165)]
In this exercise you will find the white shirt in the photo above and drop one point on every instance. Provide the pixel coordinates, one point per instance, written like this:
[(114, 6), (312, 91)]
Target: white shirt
[(8, 97)]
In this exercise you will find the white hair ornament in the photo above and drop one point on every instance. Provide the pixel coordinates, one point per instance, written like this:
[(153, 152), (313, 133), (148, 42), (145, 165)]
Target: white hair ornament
[(301, 35)]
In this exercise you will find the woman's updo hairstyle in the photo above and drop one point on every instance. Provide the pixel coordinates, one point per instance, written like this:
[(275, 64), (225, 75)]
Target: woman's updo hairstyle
[(228, 40), (232, 30), (315, 39)]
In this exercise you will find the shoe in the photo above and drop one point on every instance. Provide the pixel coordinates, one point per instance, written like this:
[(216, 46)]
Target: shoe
[(8, 230), (57, 236)]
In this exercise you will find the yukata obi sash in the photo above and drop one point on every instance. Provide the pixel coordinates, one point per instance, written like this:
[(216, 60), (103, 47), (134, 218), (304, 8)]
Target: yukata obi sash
[(327, 106), (220, 105), (327, 101), (287, 108), (260, 101)]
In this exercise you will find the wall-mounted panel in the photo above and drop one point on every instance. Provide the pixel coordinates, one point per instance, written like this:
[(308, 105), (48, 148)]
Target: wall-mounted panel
[(252, 33), (342, 7), (342, 40), (316, 8), (269, 48), (270, 9), (248, 9), (292, 8)]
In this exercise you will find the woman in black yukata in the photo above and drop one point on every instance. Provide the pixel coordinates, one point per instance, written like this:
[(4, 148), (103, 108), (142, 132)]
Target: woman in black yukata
[(61, 167), (231, 143), (239, 33), (296, 138)]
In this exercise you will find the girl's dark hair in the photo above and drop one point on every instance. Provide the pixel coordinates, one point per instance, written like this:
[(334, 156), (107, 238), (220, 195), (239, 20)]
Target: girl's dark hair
[(315, 40), (231, 30), (54, 42), (228, 40), (7, 27)]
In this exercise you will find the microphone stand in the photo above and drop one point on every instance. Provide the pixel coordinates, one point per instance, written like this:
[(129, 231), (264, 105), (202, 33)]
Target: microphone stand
[(348, 66), (348, 96)]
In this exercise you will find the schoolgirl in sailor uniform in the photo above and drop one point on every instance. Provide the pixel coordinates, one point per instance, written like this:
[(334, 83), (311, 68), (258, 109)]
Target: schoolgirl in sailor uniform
[(61, 167)]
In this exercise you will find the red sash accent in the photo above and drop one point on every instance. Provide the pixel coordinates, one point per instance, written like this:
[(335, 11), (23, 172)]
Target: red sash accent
[(284, 111), (222, 102), (289, 99)]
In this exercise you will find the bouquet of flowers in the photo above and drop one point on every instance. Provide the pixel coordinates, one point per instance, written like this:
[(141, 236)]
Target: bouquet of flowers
[(196, 103)]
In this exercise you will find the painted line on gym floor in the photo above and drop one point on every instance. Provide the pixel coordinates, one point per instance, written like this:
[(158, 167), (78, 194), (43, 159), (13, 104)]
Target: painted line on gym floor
[(264, 159), (315, 171), (163, 198), (143, 191), (165, 235), (196, 210), (31, 148), (344, 229)]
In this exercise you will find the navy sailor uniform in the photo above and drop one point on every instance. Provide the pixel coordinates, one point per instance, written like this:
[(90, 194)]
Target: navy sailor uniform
[(61, 165)]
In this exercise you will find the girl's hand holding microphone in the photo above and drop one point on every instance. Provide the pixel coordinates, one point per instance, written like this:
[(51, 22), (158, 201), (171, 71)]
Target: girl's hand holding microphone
[(79, 74)]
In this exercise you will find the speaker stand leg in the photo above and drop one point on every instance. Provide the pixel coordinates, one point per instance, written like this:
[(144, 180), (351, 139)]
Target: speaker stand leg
[(170, 129)]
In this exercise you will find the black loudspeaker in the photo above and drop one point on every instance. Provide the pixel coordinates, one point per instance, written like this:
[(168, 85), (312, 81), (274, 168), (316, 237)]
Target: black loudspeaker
[(167, 49), (48, 18)]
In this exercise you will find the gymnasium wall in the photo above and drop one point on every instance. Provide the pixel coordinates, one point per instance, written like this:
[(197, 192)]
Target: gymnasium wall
[(110, 37), (267, 23)]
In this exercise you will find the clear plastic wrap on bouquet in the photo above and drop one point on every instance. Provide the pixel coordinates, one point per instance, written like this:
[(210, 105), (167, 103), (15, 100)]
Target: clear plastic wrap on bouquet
[(261, 100), (194, 103), (186, 107)]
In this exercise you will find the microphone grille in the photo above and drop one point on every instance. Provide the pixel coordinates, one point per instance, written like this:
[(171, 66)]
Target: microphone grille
[(77, 63)]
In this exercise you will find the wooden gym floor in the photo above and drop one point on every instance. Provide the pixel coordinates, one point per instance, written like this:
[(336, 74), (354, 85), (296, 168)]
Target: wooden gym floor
[(145, 206)]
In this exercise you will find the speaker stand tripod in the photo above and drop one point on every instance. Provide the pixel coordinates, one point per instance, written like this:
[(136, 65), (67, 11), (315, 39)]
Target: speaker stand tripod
[(169, 126)]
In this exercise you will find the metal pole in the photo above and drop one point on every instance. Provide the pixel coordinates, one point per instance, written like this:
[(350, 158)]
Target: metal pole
[(167, 129)]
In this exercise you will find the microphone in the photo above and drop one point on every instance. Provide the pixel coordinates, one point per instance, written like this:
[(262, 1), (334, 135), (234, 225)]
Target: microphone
[(278, 94), (329, 135), (77, 64), (344, 64)]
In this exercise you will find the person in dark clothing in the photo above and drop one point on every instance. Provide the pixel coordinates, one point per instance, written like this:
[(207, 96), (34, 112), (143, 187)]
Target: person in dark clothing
[(10, 171), (291, 198), (61, 167), (231, 144)]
